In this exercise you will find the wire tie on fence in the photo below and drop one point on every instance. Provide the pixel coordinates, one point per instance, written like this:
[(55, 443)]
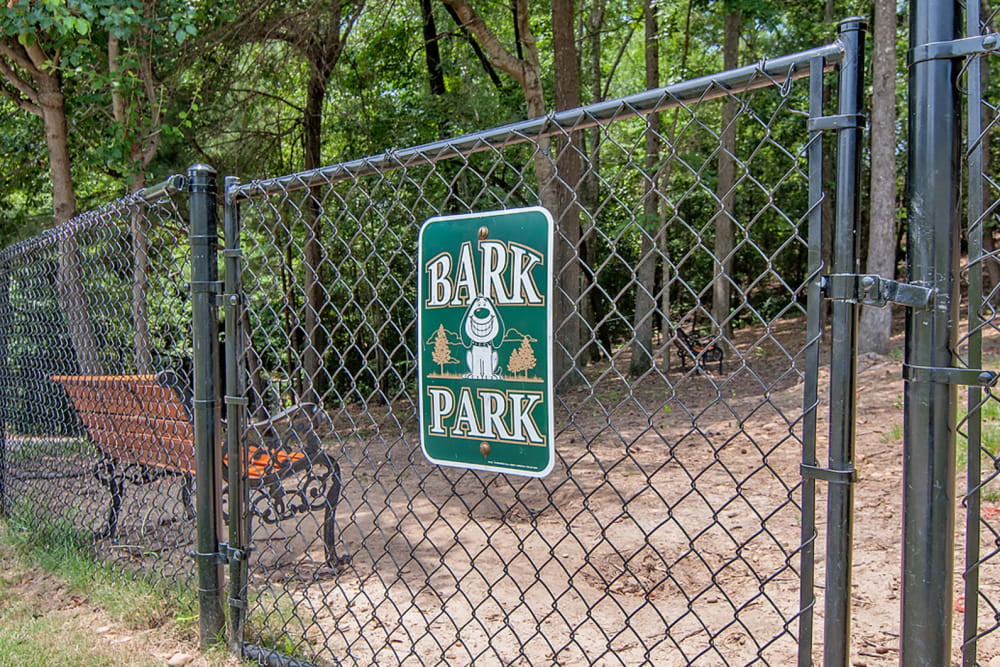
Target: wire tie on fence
[(238, 603), (235, 400), (234, 253)]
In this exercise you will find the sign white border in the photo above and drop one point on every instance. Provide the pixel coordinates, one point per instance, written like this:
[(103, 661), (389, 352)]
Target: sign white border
[(550, 296)]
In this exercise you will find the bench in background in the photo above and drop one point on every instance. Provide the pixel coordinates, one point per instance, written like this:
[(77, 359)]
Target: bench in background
[(142, 425)]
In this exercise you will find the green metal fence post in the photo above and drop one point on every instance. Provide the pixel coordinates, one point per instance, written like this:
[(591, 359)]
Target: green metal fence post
[(933, 223), (843, 354), (235, 406), (204, 329)]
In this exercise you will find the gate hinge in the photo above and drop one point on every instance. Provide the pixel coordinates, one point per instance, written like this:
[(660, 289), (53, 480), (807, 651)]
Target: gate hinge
[(224, 556), (975, 377), (205, 286), (955, 48), (829, 475), (873, 290)]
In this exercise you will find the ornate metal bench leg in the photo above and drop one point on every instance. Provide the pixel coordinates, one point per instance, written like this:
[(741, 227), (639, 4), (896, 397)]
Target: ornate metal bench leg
[(329, 520), (107, 475), (186, 496)]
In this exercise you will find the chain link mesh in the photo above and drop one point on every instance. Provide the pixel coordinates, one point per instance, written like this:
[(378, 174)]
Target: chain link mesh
[(669, 530), (95, 347), (979, 415)]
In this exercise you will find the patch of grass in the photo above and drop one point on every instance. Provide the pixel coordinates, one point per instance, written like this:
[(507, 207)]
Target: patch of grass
[(270, 623), (894, 435), (63, 549), (989, 415)]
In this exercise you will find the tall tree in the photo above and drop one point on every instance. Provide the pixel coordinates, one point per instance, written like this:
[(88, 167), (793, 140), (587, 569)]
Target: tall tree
[(566, 71), (317, 30), (36, 39), (432, 54), (642, 319), (525, 68), (876, 323), (725, 189)]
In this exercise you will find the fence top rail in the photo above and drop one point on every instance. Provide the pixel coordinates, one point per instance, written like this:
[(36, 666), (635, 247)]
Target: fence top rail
[(121, 206), (763, 74)]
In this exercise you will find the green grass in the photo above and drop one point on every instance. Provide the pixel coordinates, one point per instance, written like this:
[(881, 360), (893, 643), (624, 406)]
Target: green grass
[(989, 444), (894, 435), (62, 549), (54, 593)]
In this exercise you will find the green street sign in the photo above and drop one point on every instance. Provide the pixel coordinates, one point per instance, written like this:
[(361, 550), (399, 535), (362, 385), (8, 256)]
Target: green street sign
[(484, 319)]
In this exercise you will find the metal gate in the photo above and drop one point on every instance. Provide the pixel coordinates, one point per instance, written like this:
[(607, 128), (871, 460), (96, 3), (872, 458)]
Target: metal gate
[(978, 418), (679, 522)]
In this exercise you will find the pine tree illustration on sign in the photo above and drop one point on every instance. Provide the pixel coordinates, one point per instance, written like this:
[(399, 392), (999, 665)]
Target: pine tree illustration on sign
[(442, 351), (523, 358)]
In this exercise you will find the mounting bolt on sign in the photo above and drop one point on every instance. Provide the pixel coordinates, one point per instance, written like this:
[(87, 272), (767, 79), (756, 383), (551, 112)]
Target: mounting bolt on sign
[(484, 322)]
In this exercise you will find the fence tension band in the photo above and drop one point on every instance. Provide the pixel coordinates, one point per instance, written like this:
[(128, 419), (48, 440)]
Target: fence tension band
[(955, 48), (829, 475), (224, 556), (873, 290), (235, 400), (975, 377), (847, 121)]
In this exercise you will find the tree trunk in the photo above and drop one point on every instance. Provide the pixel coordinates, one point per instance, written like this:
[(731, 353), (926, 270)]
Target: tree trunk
[(590, 192), (642, 322), (69, 284), (876, 323), (663, 238), (142, 344), (567, 212), (725, 214), (435, 73), (312, 254)]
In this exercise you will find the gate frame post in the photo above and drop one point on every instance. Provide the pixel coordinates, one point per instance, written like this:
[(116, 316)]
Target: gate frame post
[(929, 408), (843, 352), (208, 464), (235, 402)]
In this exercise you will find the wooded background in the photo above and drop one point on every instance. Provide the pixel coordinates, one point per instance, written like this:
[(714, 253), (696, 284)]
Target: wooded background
[(101, 97)]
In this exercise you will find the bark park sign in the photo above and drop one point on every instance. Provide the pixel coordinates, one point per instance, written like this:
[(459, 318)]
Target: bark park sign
[(485, 329)]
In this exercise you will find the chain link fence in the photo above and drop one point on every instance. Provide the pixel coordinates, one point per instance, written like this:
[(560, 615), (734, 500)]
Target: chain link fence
[(94, 452), (979, 418), (672, 527)]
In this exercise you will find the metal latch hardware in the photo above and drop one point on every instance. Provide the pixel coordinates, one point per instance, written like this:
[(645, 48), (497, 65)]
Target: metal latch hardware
[(828, 475), (975, 377), (956, 48), (873, 290)]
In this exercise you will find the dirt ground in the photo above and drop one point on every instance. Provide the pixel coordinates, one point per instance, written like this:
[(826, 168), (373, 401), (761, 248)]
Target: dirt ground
[(44, 621), (669, 531)]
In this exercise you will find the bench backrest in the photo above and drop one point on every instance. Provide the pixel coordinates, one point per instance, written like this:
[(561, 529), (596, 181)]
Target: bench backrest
[(134, 418)]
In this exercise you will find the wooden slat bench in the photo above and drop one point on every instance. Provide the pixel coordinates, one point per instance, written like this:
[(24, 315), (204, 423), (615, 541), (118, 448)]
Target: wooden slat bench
[(142, 425)]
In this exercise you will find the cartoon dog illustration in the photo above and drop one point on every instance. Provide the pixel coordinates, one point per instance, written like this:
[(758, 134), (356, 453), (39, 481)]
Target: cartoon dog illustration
[(482, 326)]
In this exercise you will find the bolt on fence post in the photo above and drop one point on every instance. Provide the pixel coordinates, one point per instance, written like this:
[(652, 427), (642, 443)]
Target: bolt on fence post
[(235, 406), (204, 286), (843, 353), (933, 223)]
